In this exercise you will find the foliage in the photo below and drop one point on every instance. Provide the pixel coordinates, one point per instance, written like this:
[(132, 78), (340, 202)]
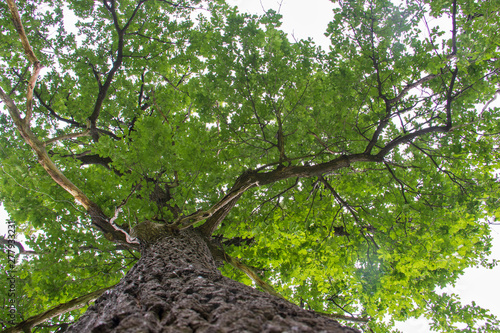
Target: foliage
[(181, 98)]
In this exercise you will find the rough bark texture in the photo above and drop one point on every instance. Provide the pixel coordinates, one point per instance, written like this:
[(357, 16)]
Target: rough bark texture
[(176, 287)]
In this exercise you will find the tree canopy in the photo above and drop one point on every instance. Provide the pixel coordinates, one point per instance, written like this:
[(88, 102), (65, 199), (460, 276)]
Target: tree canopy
[(357, 181)]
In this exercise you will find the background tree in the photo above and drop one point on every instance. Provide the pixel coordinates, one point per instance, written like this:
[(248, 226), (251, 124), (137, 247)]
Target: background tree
[(355, 181)]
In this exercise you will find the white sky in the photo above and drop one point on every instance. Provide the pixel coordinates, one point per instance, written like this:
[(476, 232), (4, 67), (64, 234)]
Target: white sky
[(310, 19)]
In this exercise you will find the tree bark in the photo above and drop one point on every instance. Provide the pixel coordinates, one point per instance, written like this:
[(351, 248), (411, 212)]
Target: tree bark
[(176, 287)]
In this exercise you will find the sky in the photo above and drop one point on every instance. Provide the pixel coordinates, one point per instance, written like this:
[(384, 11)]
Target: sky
[(300, 21)]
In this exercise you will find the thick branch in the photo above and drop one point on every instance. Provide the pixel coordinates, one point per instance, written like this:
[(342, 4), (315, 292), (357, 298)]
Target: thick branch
[(253, 179), (449, 98), (43, 157), (19, 245), (209, 227), (16, 19), (242, 184), (103, 90), (236, 263), (454, 29), (26, 325), (99, 219), (87, 158), (407, 138), (249, 271), (29, 94)]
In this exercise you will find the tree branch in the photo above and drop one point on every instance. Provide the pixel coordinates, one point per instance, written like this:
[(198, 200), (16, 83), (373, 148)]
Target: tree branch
[(242, 184), (407, 138), (449, 99), (252, 178), (209, 227), (341, 201), (70, 121), (99, 219), (401, 184), (411, 86), (103, 89), (19, 245), (26, 325), (344, 317), (220, 254), (54, 114), (318, 139), (67, 136), (383, 123), (16, 19), (454, 29), (29, 94), (87, 158)]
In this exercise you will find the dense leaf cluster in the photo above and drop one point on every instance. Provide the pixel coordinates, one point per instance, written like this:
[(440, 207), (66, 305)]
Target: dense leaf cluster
[(375, 160)]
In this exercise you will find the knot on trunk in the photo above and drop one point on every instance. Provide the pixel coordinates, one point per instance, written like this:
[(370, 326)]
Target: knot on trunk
[(150, 232)]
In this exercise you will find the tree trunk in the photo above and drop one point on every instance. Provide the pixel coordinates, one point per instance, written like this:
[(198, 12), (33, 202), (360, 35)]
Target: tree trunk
[(176, 287)]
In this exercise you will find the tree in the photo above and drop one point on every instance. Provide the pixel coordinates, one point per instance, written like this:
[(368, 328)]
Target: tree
[(353, 183)]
